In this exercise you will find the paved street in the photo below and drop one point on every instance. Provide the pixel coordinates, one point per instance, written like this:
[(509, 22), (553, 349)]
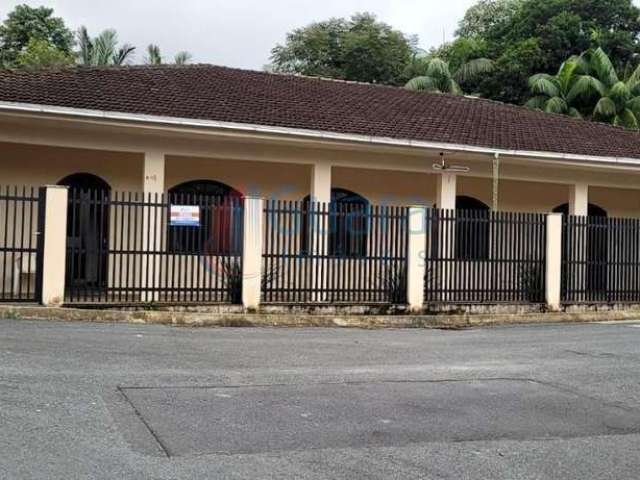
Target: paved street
[(81, 400)]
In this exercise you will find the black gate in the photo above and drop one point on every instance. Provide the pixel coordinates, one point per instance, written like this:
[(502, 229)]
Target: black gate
[(601, 260), (124, 248), (20, 257), (331, 253), (476, 257)]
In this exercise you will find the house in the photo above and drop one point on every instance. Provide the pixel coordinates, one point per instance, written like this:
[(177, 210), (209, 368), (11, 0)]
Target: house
[(211, 131)]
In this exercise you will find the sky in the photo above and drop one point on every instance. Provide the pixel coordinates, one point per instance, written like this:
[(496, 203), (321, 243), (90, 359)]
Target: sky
[(241, 33)]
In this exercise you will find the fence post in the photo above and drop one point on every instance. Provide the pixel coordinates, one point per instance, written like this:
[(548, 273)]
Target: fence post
[(252, 252), (553, 267), (53, 243), (416, 258)]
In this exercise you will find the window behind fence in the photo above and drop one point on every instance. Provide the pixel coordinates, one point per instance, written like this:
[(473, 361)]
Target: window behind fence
[(215, 233), (347, 228)]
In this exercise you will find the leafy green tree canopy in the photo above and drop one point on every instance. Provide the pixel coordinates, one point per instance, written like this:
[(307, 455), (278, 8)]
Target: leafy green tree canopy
[(589, 85), (25, 23), (360, 49), (40, 53), (547, 32), (438, 77)]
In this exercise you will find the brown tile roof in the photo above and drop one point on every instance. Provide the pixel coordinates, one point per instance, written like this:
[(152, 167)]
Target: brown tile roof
[(224, 94)]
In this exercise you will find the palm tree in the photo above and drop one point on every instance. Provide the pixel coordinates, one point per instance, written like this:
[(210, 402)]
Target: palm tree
[(592, 80), (556, 93), (438, 78), (182, 58), (102, 50), (154, 56), (618, 98)]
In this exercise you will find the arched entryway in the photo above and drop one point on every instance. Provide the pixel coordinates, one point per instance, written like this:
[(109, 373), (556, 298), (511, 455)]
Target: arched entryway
[(219, 231), (472, 232), (347, 226), (87, 230), (597, 251)]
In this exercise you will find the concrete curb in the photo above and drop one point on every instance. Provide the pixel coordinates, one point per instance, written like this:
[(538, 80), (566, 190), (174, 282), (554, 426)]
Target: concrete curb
[(208, 319)]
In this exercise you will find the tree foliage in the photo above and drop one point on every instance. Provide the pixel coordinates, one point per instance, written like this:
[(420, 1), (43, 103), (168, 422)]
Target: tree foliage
[(102, 50), (557, 93), (530, 36), (154, 56), (360, 48), (33, 33), (33, 38), (436, 75), (589, 85), (40, 53)]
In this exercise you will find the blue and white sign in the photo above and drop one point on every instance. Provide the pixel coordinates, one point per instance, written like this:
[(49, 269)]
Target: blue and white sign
[(185, 216)]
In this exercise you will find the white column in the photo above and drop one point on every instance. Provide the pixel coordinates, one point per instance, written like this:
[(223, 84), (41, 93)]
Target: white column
[(153, 172), (153, 188), (579, 206), (321, 182), (54, 244), (252, 253), (318, 225), (553, 267), (446, 200), (446, 191), (416, 258), (579, 199)]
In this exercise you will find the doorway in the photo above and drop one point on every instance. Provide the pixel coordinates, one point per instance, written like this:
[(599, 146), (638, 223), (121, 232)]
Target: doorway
[(597, 251), (87, 231)]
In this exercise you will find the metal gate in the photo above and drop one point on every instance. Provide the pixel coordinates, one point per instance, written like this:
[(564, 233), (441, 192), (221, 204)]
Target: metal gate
[(124, 248), (21, 243)]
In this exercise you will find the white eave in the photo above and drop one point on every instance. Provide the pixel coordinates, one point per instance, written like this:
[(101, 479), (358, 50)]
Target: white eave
[(100, 115)]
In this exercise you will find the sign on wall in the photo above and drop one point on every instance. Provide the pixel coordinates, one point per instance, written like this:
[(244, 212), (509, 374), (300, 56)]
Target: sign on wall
[(185, 216)]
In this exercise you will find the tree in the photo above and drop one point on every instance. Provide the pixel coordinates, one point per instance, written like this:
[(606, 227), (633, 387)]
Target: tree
[(40, 53), (154, 56), (438, 78), (557, 93), (358, 49), (525, 37), (182, 58), (590, 83), (25, 23), (102, 50), (508, 80), (617, 99), (486, 15)]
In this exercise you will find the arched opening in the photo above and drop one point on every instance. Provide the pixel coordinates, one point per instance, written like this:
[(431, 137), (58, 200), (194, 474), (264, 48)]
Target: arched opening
[(348, 226), (597, 249), (87, 230), (592, 210), (472, 229), (220, 222)]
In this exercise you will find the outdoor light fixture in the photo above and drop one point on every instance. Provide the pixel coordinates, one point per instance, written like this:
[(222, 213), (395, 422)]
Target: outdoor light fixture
[(443, 167)]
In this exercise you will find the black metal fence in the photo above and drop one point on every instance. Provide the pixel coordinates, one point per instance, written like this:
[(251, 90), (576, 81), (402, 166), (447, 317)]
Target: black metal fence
[(19, 244), (601, 260), (334, 253), (479, 257), (130, 248)]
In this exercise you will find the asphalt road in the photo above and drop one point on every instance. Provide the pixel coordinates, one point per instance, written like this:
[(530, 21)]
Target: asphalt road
[(150, 402)]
